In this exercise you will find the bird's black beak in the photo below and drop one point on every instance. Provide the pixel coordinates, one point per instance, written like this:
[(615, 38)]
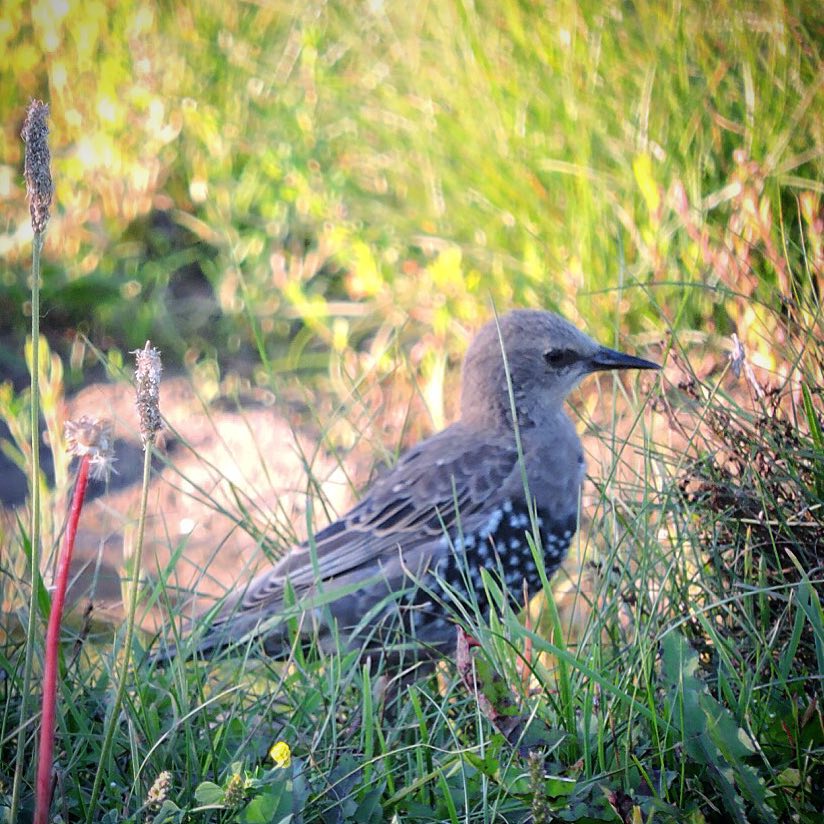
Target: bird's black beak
[(606, 359)]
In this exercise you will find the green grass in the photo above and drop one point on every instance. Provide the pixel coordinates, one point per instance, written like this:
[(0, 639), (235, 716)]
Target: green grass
[(350, 181), (690, 692)]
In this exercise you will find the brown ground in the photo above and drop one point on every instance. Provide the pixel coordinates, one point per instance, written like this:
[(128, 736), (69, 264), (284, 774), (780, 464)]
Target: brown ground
[(216, 461)]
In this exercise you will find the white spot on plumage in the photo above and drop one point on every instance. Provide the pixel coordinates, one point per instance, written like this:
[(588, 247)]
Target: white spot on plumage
[(492, 524)]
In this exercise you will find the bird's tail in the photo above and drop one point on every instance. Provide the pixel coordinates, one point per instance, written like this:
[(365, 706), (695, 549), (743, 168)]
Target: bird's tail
[(208, 636)]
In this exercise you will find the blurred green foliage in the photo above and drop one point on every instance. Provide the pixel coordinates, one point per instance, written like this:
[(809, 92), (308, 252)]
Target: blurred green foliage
[(331, 170)]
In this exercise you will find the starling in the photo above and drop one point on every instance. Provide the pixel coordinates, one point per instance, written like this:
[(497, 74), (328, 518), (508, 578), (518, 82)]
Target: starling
[(461, 501)]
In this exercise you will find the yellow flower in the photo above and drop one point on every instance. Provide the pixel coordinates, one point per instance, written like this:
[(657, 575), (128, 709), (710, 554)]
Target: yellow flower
[(281, 754)]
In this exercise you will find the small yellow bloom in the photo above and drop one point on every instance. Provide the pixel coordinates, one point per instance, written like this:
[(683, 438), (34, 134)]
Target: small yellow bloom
[(281, 754)]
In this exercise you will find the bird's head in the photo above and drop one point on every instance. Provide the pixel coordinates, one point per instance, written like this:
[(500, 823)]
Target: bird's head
[(546, 357)]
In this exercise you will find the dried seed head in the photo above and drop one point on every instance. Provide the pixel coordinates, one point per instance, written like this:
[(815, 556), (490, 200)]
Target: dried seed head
[(36, 171), (92, 436), (537, 784), (737, 356), (159, 791), (739, 363), (147, 377), (235, 793)]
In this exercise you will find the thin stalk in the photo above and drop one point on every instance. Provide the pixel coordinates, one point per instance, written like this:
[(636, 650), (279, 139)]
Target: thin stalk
[(47, 723), (20, 760), (108, 740)]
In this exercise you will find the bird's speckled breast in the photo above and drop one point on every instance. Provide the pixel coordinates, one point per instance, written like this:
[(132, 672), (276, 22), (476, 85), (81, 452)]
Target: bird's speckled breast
[(502, 546)]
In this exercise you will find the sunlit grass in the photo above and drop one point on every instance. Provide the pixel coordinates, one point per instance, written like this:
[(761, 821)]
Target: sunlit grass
[(315, 163)]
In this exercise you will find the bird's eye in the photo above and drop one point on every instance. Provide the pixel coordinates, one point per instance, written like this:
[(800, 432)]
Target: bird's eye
[(558, 358)]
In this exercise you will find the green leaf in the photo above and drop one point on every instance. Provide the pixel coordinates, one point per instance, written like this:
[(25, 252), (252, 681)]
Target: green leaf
[(209, 793), (559, 787), (711, 736), (369, 810), (268, 808), (488, 763), (168, 812)]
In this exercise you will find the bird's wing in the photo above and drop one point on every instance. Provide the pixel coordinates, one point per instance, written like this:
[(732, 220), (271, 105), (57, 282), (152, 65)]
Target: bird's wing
[(442, 481)]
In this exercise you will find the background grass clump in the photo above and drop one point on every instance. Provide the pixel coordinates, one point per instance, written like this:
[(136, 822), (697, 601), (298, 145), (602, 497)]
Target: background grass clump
[(334, 195), (338, 170)]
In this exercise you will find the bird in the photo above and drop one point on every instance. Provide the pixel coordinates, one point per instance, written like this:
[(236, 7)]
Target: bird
[(480, 494)]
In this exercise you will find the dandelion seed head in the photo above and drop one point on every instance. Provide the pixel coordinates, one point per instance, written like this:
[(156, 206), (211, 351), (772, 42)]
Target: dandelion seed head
[(93, 437)]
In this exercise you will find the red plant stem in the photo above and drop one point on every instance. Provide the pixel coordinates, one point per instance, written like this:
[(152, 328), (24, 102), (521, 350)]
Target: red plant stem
[(46, 754)]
